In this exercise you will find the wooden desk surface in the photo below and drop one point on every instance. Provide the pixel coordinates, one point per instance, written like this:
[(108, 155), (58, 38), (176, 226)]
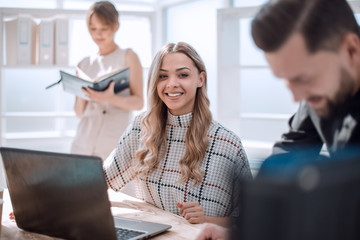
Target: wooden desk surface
[(122, 205)]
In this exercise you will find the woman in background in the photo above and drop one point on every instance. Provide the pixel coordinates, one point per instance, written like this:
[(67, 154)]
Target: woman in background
[(184, 161), (106, 115)]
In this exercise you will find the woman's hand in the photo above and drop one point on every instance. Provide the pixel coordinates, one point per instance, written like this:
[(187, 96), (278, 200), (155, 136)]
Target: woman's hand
[(100, 96), (192, 211)]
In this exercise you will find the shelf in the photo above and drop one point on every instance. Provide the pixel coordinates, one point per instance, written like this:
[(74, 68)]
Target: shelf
[(40, 12), (33, 66), (241, 67), (38, 115), (259, 116), (265, 116), (57, 114), (39, 135), (68, 13)]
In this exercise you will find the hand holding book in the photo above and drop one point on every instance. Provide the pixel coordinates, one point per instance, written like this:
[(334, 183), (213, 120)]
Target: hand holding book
[(107, 95), (73, 84)]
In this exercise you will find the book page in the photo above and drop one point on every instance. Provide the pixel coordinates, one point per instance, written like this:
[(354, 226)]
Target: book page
[(98, 79), (81, 74)]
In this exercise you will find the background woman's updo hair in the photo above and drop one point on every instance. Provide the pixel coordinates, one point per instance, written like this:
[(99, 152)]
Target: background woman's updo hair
[(106, 11)]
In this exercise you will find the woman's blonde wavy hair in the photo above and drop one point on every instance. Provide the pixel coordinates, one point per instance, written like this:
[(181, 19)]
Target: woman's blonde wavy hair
[(154, 122)]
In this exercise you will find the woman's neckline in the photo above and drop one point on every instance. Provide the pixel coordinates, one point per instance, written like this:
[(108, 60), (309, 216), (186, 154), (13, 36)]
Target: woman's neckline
[(112, 50)]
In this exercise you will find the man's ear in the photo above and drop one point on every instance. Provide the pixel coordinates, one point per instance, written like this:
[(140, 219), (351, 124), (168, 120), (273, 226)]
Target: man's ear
[(351, 43)]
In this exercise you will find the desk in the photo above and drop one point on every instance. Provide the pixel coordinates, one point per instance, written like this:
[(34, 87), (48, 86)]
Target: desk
[(122, 205)]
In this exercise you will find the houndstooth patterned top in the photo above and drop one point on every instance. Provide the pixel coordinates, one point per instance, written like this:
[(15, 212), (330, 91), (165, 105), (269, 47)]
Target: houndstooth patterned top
[(224, 157)]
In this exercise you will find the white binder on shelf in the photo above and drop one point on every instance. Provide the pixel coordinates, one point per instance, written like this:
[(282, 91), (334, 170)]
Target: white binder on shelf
[(20, 41), (62, 42), (46, 42)]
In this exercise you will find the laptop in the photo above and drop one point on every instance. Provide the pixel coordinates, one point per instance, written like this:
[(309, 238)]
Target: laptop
[(65, 196)]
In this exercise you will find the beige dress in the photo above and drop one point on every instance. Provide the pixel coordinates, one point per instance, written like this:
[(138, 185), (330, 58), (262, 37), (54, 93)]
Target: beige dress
[(102, 124)]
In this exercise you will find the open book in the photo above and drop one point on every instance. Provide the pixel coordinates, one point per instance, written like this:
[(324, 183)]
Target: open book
[(73, 84)]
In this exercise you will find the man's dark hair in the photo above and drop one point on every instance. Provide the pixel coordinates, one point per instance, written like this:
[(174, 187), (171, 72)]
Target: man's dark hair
[(322, 23)]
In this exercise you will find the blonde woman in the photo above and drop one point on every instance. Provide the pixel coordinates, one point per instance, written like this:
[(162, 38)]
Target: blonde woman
[(184, 161)]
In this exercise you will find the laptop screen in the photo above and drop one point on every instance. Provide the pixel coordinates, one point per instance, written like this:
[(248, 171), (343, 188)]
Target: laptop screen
[(59, 195)]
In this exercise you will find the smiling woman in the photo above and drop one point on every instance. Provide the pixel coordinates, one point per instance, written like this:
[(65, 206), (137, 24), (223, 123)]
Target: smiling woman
[(184, 161)]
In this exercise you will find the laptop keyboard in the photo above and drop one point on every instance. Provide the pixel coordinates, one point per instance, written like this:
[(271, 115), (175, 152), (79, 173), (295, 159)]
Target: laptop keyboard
[(123, 234)]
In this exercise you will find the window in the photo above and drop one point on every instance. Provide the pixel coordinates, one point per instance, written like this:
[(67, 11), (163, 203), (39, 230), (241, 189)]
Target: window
[(195, 23), (251, 101), (248, 3)]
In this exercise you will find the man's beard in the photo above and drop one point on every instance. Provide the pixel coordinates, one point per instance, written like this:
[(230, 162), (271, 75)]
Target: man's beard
[(345, 92)]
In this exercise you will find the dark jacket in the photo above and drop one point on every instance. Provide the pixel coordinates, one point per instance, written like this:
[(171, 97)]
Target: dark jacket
[(308, 131)]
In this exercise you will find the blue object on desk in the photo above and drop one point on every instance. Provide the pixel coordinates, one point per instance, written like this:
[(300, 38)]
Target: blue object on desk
[(295, 197)]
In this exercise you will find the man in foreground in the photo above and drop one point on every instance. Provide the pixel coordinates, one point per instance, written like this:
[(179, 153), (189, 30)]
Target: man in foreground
[(314, 46)]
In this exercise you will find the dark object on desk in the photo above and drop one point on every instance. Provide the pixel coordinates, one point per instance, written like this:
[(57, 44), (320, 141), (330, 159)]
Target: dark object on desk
[(74, 84), (65, 196), (302, 199)]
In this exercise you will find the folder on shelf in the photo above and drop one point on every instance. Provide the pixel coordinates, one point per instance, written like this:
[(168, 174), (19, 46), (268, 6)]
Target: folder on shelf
[(46, 42), (20, 41), (74, 84), (61, 54)]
